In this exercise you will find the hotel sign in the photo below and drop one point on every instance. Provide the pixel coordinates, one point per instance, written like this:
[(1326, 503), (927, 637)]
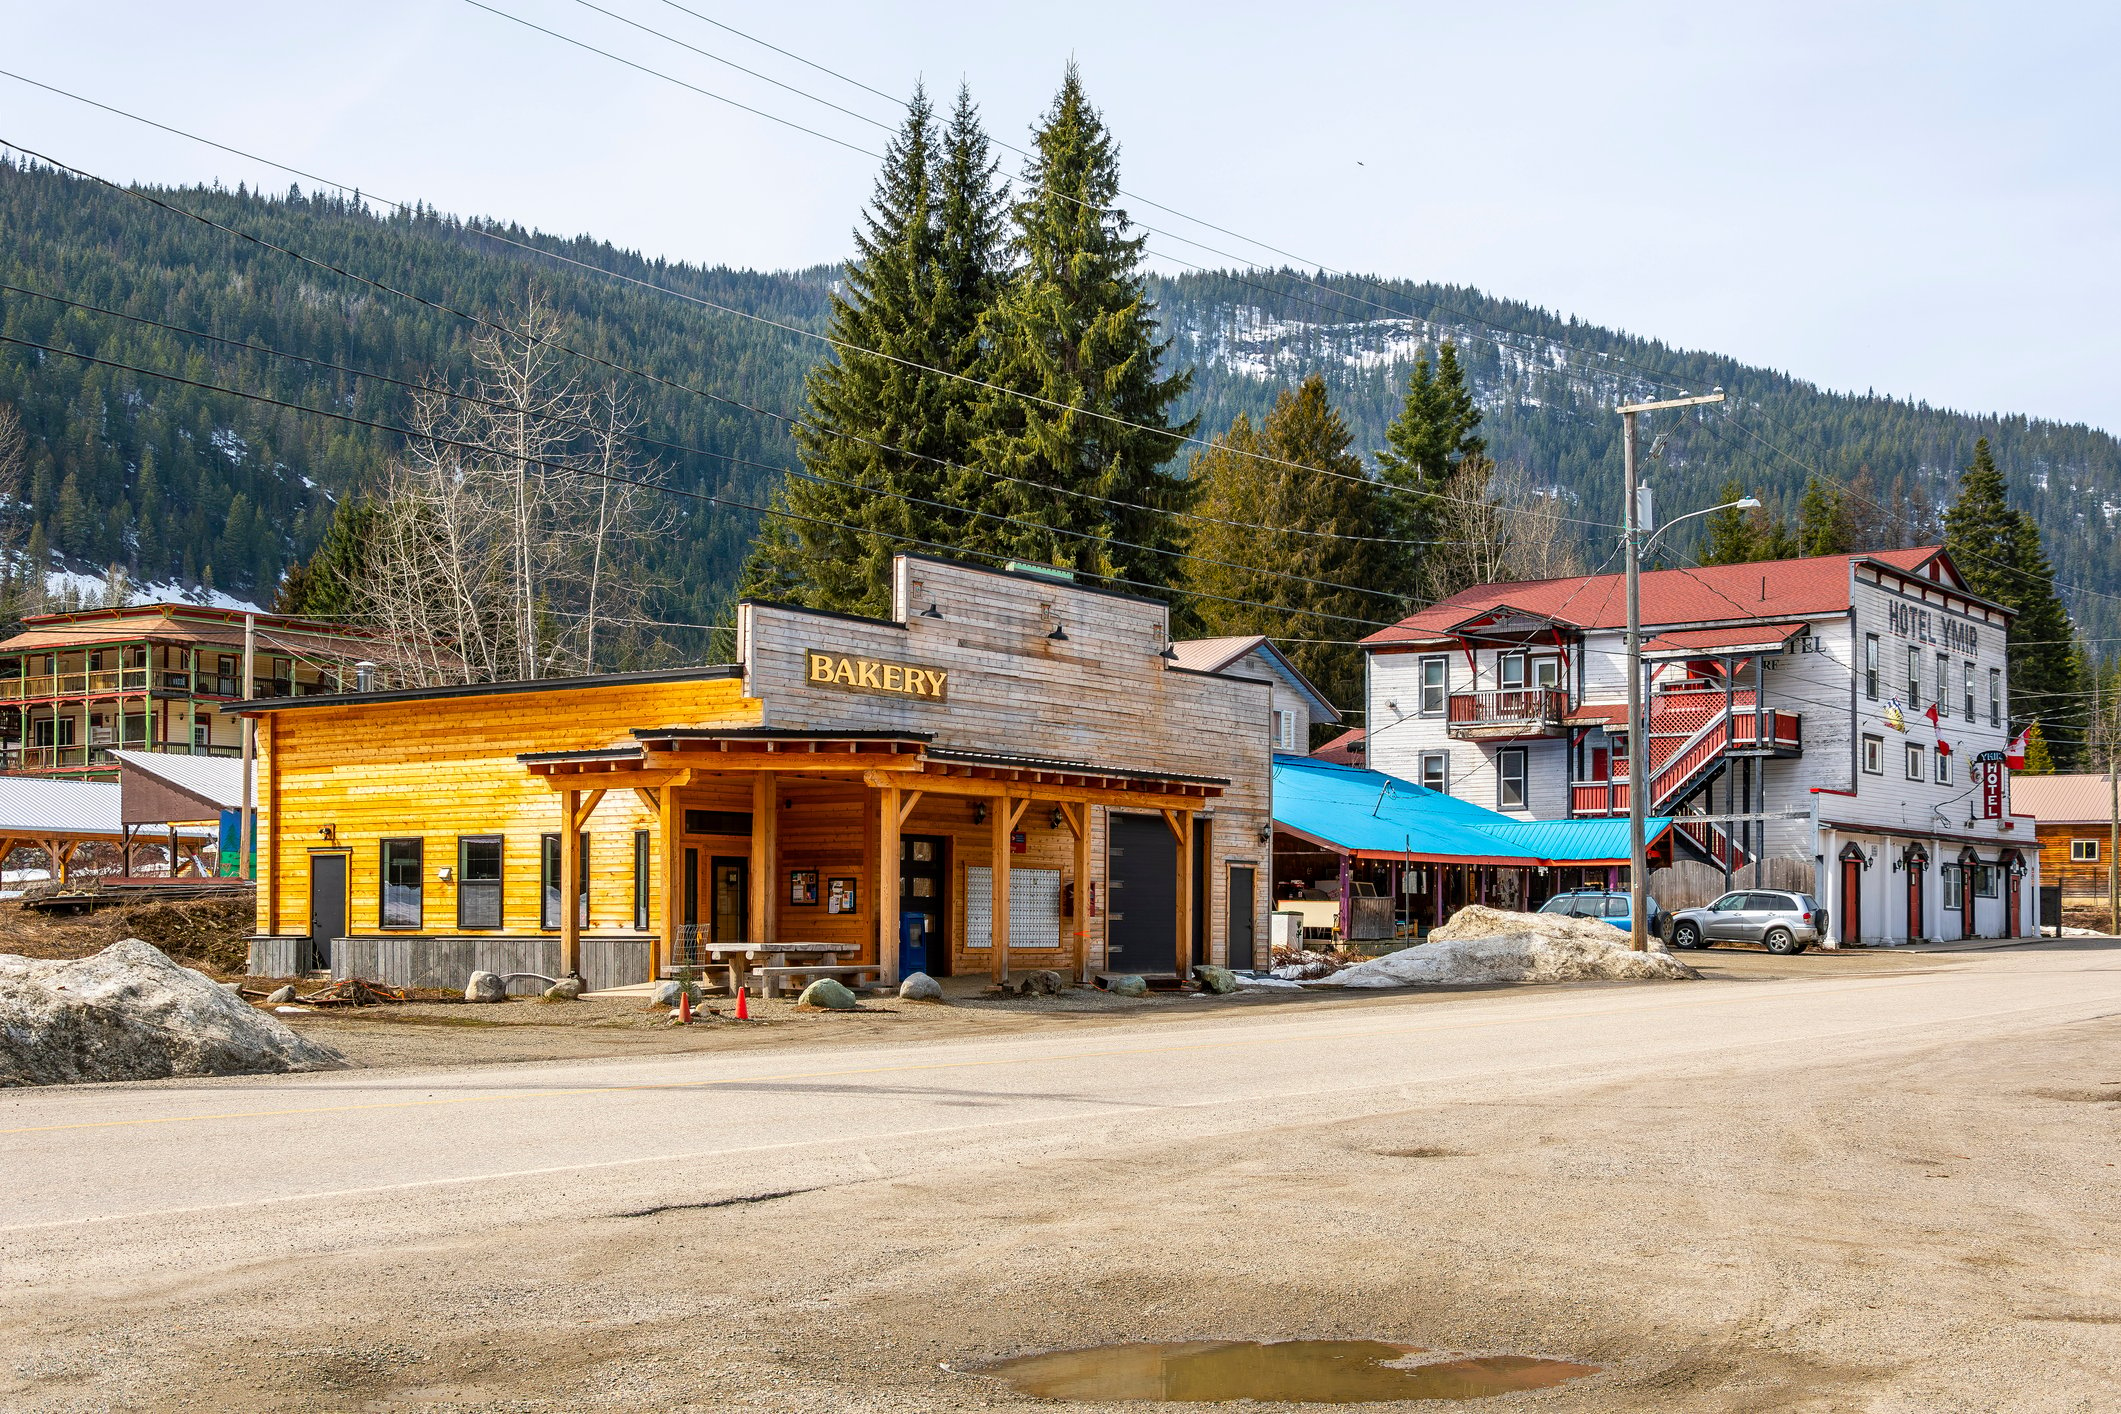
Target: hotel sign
[(874, 675)]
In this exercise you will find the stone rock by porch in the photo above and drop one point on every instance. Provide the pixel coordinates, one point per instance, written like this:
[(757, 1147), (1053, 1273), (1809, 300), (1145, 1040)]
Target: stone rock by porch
[(567, 989), (828, 994), (920, 987), (1129, 986), (1219, 980), (667, 993), (485, 987)]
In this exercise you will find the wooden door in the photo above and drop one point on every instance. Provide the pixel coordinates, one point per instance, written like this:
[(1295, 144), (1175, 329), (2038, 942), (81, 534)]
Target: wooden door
[(328, 905), (1966, 900), (731, 898), (1915, 876)]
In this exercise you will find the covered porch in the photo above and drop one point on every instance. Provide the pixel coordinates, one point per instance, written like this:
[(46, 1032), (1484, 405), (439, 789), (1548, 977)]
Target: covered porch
[(872, 849)]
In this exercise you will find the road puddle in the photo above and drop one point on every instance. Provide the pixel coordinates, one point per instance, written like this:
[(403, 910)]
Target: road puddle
[(1286, 1371)]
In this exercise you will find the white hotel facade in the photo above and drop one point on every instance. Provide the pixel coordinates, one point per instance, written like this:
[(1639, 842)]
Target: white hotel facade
[(1788, 722)]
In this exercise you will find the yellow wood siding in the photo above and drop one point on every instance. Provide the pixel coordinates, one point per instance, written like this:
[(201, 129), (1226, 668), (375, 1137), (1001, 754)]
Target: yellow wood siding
[(435, 770)]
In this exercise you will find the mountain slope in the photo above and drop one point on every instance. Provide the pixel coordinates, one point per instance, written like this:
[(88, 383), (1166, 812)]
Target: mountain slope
[(178, 483)]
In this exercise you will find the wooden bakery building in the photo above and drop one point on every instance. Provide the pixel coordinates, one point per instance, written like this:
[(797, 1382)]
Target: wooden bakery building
[(1012, 771)]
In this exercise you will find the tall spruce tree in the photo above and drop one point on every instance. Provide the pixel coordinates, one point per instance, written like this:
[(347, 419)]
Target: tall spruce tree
[(1436, 433), (1823, 522), (1997, 548), (1081, 403), (1737, 537), (328, 585), (1252, 477), (887, 422)]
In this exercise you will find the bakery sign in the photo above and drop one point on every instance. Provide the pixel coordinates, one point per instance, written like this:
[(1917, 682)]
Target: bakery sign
[(875, 675)]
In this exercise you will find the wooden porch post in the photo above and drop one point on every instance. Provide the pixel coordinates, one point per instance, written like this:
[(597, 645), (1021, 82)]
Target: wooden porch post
[(1007, 812), (570, 882), (664, 950), (890, 822), (763, 924), (1078, 818), (1181, 823)]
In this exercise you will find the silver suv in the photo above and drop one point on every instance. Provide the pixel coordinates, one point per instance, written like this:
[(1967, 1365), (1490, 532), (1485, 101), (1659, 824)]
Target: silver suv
[(1780, 922)]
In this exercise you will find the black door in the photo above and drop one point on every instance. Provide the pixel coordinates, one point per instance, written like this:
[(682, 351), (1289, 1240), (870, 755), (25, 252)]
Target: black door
[(1141, 933), (922, 869), (1242, 904), (1203, 894), (732, 899), (688, 949), (327, 905)]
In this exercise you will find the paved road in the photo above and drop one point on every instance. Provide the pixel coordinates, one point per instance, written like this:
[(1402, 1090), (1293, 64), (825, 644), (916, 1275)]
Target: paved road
[(428, 1150)]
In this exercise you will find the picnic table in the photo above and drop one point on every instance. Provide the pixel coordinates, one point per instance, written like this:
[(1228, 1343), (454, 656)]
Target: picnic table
[(773, 960)]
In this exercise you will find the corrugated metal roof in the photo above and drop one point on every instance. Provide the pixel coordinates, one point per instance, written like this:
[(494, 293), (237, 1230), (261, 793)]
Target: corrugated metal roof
[(1777, 588), (29, 806), (2062, 800), (215, 778), (1369, 812)]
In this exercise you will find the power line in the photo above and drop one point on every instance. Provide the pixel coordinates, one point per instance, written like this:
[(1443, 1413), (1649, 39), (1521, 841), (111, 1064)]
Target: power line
[(728, 502)]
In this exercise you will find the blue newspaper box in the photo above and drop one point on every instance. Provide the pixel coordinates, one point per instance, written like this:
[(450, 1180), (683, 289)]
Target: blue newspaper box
[(912, 943)]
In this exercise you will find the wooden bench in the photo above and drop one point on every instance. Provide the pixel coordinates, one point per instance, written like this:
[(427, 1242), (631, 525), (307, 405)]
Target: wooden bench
[(770, 977)]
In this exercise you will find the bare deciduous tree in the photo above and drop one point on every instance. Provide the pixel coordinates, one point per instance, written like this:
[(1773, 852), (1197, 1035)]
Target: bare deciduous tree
[(1493, 524), (507, 533)]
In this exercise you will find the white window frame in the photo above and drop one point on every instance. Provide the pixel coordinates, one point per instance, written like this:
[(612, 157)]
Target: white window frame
[(1914, 679), (1504, 662), (1915, 771), (1284, 729), (1944, 684), (1441, 687), (1966, 681), (1870, 666), (1995, 697), (1441, 760), (1943, 771), (1502, 778), (1874, 756), (2084, 851), (1546, 672)]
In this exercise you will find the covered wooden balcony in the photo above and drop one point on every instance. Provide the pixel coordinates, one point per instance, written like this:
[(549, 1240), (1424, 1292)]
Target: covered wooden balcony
[(1508, 712)]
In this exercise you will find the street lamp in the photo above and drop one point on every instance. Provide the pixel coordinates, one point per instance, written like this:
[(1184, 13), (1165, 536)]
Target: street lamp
[(1638, 729)]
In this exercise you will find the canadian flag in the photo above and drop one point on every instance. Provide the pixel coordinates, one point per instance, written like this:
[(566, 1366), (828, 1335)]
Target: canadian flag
[(1936, 725), (2014, 754)]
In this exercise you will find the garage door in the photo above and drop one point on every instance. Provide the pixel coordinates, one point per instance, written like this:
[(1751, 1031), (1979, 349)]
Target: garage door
[(1142, 921)]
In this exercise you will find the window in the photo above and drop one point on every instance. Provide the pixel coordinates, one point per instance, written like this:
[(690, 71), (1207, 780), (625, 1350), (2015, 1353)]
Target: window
[(1914, 761), (1944, 685), (1914, 679), (1436, 771), (1509, 670), (1546, 672), (1874, 755), (718, 822), (199, 733), (1870, 666), (1284, 730), (1435, 685), (640, 881), (401, 883), (1509, 778), (549, 881), (1966, 681), (2084, 851), (479, 881), (1944, 767), (1948, 880), (1995, 697), (1988, 881)]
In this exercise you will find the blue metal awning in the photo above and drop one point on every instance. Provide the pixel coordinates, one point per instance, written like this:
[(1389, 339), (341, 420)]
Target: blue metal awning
[(1354, 810)]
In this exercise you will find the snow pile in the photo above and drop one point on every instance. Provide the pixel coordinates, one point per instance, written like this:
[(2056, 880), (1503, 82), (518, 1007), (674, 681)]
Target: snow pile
[(1482, 944), (129, 1013), (1302, 964)]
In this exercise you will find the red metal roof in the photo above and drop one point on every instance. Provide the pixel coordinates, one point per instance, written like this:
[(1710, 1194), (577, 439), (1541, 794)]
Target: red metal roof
[(1343, 750), (1708, 640), (1773, 590)]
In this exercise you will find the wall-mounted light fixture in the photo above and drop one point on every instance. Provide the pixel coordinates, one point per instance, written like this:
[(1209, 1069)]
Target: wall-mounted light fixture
[(979, 812), (328, 831), (1059, 634), (1169, 655), (931, 612), (1056, 817), (1266, 832)]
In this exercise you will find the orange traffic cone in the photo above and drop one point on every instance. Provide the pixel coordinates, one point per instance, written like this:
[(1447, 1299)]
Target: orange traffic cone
[(743, 1012), (685, 1002)]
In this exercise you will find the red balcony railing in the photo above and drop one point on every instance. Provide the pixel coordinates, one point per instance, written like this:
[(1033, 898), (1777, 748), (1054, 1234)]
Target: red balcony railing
[(1529, 710)]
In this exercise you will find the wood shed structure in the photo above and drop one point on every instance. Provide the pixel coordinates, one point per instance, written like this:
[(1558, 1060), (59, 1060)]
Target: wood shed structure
[(1010, 771)]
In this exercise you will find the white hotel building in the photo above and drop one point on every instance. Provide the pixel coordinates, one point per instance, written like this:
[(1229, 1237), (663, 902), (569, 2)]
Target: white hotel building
[(1788, 729)]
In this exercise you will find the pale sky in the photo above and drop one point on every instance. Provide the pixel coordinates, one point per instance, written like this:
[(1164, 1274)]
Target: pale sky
[(1920, 199)]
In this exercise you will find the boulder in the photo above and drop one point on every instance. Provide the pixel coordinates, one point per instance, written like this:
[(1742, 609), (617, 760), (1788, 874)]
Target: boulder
[(1129, 986), (920, 987), (1219, 980), (567, 989), (485, 987), (1047, 983), (667, 993), (129, 1013), (828, 994), (1487, 945), (280, 996)]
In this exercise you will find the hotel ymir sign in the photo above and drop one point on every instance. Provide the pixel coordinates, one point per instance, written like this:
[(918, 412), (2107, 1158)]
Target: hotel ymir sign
[(874, 675)]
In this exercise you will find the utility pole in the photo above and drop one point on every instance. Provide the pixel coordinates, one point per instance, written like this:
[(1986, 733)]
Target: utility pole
[(245, 844), (1638, 727), (2113, 839)]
